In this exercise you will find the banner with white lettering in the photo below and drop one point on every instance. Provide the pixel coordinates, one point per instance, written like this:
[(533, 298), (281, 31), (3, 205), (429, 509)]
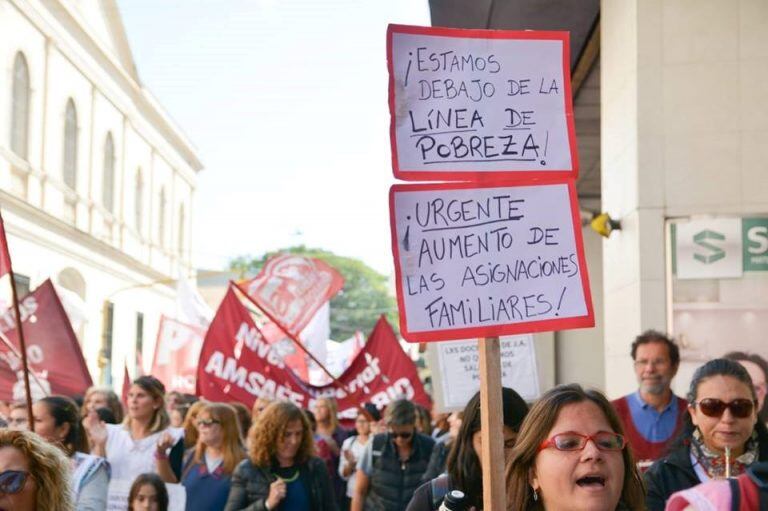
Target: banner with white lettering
[(456, 370), (238, 363), (177, 352), (470, 104), (488, 259), (56, 362)]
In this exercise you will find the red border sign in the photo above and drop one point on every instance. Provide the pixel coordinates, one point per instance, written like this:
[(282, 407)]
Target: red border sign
[(523, 326), (448, 174)]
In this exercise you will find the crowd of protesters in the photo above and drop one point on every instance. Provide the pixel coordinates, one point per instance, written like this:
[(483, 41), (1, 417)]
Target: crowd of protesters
[(572, 449)]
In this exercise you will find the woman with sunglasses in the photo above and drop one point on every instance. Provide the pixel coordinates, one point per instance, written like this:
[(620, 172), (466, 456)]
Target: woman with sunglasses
[(281, 471), (464, 469), (34, 475), (392, 465), (571, 455), (208, 468), (57, 420), (721, 435)]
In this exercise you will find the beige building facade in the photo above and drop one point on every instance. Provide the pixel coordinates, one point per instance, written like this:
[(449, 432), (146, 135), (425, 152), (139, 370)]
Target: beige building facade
[(96, 181)]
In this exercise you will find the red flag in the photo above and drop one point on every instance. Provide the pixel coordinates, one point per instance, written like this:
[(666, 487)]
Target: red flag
[(290, 289), (177, 352), (126, 384), (5, 256), (54, 353), (238, 363)]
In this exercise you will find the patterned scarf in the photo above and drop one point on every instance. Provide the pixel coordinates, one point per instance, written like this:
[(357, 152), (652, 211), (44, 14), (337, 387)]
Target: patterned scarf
[(713, 462)]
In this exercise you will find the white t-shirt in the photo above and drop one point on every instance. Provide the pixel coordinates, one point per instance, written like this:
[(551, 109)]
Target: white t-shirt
[(128, 457), (351, 444)]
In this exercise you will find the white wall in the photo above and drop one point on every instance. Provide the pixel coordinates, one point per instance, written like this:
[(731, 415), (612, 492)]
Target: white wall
[(684, 125), (107, 249)]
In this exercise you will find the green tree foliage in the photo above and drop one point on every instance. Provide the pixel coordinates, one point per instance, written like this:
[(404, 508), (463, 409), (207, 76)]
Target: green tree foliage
[(357, 306)]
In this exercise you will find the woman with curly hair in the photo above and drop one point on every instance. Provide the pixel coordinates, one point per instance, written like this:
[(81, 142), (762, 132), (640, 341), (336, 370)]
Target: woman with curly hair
[(34, 475), (281, 469)]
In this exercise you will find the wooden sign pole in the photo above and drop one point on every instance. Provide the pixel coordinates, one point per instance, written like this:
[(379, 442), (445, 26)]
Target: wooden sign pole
[(491, 418)]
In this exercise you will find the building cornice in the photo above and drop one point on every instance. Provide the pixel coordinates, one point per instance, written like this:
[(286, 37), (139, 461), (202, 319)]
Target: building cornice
[(50, 223), (65, 17)]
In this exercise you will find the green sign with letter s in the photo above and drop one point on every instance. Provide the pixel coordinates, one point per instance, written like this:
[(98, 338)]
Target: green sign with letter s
[(755, 239)]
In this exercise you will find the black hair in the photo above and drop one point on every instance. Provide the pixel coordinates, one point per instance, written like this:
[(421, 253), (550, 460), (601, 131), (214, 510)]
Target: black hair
[(463, 463), (154, 481), (650, 336), (715, 367), (64, 410), (106, 415), (741, 356)]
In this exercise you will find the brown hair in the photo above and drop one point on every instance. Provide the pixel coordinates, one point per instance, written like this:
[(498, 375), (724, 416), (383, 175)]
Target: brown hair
[(156, 389), (154, 481), (64, 411), (243, 417), (333, 410), (537, 425), (113, 402), (269, 429), (231, 445), (47, 465), (190, 429)]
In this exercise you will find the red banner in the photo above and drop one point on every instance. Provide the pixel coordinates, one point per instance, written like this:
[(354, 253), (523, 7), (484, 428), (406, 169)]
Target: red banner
[(177, 352), (55, 359), (238, 364), (291, 288), (5, 256)]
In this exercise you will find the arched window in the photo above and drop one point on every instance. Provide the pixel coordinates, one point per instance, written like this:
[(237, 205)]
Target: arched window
[(161, 219), (70, 146), (181, 230), (108, 183), (20, 107), (138, 200)]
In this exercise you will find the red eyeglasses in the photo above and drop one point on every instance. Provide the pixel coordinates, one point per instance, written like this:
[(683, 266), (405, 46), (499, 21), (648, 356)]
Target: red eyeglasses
[(572, 441)]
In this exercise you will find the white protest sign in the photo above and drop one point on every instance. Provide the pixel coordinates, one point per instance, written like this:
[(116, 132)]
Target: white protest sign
[(119, 489), (482, 260), (456, 371), (464, 103)]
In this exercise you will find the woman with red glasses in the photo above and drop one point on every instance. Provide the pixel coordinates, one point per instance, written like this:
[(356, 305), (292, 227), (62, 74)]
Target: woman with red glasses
[(571, 455), (721, 436)]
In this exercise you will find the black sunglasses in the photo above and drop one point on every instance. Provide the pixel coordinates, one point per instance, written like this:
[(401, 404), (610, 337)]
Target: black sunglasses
[(711, 407), (12, 481), (405, 435)]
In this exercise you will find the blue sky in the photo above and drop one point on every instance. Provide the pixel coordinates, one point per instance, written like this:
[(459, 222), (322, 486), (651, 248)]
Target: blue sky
[(286, 102)]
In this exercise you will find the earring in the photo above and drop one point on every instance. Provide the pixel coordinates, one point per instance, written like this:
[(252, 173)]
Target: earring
[(535, 495)]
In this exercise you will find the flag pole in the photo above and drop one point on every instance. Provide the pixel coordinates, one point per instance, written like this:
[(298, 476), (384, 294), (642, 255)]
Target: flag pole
[(295, 339), (6, 256)]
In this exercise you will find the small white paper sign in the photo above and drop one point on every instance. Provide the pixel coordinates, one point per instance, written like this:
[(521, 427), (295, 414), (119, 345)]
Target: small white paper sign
[(469, 102), (476, 260), (117, 496), (456, 370)]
